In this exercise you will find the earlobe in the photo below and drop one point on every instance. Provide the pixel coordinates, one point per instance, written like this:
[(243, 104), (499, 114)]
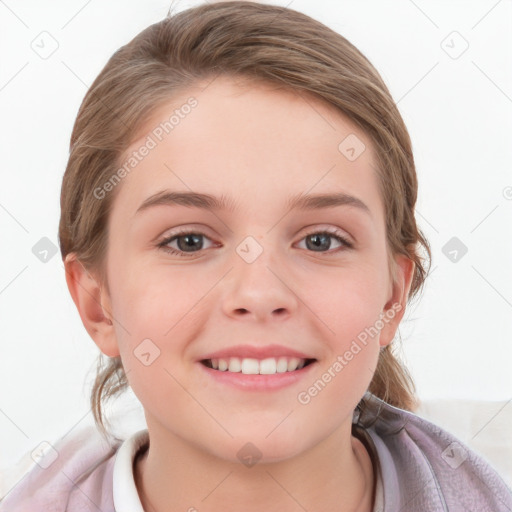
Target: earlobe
[(93, 305), (395, 307)]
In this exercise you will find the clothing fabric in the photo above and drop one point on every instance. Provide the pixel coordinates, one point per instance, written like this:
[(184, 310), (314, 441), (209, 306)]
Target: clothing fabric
[(418, 466)]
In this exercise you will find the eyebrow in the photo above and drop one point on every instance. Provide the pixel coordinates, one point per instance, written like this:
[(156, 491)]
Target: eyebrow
[(209, 202)]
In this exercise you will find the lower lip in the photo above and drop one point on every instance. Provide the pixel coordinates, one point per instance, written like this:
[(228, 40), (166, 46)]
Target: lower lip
[(258, 382)]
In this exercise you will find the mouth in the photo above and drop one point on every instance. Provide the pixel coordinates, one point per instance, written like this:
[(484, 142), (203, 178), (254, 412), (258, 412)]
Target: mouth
[(253, 366)]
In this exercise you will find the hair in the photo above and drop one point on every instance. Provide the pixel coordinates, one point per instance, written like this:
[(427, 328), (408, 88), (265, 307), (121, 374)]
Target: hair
[(273, 44)]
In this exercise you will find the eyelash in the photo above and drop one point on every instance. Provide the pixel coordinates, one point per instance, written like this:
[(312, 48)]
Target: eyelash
[(333, 233)]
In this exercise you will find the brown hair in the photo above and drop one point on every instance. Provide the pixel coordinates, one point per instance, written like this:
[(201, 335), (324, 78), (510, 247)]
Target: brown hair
[(247, 39)]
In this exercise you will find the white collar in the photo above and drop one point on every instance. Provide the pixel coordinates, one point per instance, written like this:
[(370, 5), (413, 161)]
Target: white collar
[(126, 497)]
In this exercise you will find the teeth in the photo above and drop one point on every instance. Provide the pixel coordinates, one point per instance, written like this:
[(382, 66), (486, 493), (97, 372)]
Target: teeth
[(293, 363), (235, 365), (282, 365), (251, 366), (268, 366)]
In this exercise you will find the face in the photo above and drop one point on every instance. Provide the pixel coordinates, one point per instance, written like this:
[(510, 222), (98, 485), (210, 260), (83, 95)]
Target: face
[(262, 277)]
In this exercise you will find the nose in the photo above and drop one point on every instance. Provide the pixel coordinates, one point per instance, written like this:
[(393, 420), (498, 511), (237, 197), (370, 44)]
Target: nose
[(259, 290)]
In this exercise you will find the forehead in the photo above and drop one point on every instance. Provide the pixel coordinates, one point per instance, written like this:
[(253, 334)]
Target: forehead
[(250, 141)]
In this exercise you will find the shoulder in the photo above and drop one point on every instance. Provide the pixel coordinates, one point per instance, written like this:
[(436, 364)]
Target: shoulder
[(72, 474), (423, 467)]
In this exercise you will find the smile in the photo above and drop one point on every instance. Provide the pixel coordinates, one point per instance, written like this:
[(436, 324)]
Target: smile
[(260, 368), (252, 366)]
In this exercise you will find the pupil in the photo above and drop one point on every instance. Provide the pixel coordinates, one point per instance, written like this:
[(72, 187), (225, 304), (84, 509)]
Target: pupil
[(322, 241), (190, 241)]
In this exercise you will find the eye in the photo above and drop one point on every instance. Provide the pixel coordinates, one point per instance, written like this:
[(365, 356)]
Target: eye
[(189, 242), (186, 241), (320, 241)]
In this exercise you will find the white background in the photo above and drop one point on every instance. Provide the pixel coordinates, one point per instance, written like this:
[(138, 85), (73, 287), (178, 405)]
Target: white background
[(457, 340)]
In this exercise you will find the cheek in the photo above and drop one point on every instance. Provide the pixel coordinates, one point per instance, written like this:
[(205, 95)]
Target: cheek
[(159, 321), (350, 307), (149, 302), (348, 302)]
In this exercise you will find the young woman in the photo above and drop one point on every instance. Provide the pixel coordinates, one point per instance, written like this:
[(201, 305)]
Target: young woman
[(239, 239)]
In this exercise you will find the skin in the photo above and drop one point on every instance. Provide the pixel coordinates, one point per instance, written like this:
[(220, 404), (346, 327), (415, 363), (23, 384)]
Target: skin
[(258, 145)]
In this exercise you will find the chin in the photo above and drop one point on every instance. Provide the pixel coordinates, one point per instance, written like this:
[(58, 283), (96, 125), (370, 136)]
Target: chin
[(258, 449)]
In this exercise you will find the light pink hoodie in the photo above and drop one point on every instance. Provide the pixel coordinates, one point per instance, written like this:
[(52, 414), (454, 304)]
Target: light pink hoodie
[(419, 467)]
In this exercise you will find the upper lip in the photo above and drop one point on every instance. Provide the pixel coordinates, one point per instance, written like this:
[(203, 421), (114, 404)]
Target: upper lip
[(255, 352)]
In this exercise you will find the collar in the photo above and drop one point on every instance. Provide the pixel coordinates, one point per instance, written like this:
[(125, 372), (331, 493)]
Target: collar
[(126, 497)]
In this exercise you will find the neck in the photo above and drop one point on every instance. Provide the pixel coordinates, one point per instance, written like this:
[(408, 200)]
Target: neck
[(334, 476)]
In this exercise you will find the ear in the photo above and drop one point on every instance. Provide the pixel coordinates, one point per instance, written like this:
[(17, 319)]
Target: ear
[(93, 304), (395, 307)]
